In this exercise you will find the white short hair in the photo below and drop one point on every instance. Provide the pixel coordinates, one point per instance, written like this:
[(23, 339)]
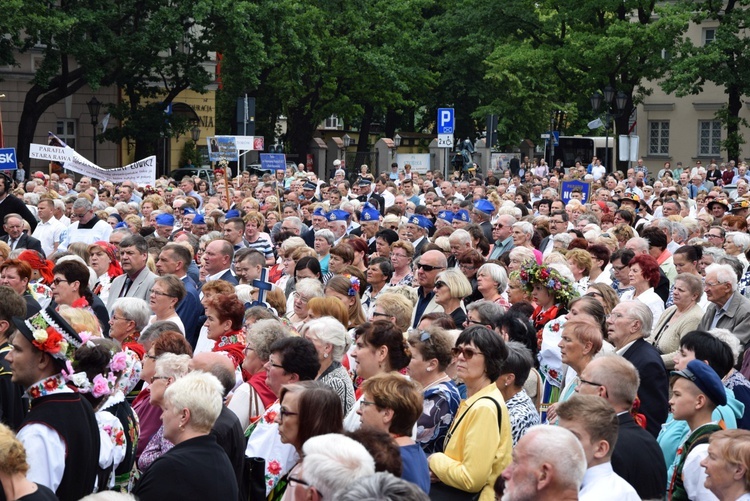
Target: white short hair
[(525, 227), (172, 365), (558, 446), (725, 274), (740, 239), (461, 236), (641, 312), (199, 392), (330, 331), (332, 462), (730, 339)]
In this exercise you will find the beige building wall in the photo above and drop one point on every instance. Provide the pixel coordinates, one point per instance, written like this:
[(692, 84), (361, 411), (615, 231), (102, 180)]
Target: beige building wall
[(685, 129)]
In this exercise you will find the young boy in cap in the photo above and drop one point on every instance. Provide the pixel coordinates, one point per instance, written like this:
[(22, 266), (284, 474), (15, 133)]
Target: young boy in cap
[(696, 392)]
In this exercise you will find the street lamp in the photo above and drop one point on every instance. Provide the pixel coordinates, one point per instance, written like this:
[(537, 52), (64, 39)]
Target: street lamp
[(397, 140), (347, 139), (620, 101), (195, 134), (94, 106)]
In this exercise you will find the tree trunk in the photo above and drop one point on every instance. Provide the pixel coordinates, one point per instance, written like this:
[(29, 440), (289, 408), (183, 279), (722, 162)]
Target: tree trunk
[(300, 132), (734, 138)]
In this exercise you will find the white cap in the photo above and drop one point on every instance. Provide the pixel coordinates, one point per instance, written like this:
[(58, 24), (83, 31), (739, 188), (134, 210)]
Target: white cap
[(336, 162)]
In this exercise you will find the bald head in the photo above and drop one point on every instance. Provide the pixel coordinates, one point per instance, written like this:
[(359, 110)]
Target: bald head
[(218, 364), (618, 380), (434, 258)]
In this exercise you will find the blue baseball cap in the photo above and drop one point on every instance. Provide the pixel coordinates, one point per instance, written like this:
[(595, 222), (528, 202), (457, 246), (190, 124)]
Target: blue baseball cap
[(188, 210), (165, 220), (199, 219), (462, 215), (420, 221), (370, 213), (445, 216), (706, 379), (120, 225), (309, 186), (484, 206), (232, 213), (337, 215)]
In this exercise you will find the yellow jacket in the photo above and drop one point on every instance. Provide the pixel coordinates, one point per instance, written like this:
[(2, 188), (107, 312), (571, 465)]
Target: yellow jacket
[(477, 452)]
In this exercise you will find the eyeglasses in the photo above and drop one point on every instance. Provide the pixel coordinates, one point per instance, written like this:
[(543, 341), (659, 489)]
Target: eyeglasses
[(400, 256), (152, 357), (711, 235), (471, 322), (427, 267), (115, 317), (160, 293), (249, 348), (466, 266), (298, 481), (275, 365), (366, 403), (468, 353), (285, 413), (378, 314), (439, 284), (58, 281), (154, 378), (708, 284)]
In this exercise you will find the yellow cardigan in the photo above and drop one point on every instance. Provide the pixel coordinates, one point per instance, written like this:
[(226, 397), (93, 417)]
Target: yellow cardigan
[(477, 452)]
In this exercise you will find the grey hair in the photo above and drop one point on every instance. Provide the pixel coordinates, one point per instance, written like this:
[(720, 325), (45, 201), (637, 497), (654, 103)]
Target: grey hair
[(59, 204), (152, 332), (31, 198), (559, 447), (736, 264), (724, 274), (641, 312), (663, 223), (297, 222), (82, 203), (740, 239), (525, 227), (730, 339), (332, 462), (310, 288), (109, 496), (489, 312), (384, 486), (329, 331), (681, 230), (638, 244), (201, 393), (563, 238), (327, 235), (497, 273), (715, 253), (263, 333), (135, 309), (461, 236), (172, 365), (507, 219), (519, 362)]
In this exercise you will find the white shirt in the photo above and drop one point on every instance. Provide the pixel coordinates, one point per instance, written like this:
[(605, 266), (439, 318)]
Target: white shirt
[(649, 298), (601, 482), (694, 476), (100, 231), (598, 172), (50, 233), (605, 277), (176, 319)]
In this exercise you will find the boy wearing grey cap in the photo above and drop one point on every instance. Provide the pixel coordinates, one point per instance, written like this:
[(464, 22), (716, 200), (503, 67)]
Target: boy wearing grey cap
[(696, 391)]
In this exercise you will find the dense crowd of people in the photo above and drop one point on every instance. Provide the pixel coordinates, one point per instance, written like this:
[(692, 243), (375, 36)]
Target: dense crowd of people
[(399, 336)]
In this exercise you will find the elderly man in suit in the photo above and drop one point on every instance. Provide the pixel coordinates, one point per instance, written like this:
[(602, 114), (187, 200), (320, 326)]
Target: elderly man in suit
[(217, 261), (428, 265), (636, 457), (137, 279), (727, 309), (628, 325), (16, 238)]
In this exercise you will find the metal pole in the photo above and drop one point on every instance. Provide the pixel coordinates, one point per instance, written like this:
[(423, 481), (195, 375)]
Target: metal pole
[(606, 143), (94, 138)]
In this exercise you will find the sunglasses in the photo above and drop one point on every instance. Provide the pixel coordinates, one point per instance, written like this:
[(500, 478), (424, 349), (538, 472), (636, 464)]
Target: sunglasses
[(439, 284), (427, 267), (468, 353)]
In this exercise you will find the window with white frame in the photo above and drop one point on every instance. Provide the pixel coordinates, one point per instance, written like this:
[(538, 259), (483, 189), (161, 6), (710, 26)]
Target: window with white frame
[(658, 137), (66, 130), (332, 122), (709, 137), (709, 35)]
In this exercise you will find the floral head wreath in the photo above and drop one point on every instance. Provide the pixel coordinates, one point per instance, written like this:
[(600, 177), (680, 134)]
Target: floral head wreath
[(103, 384), (558, 286), (354, 285), (50, 333)]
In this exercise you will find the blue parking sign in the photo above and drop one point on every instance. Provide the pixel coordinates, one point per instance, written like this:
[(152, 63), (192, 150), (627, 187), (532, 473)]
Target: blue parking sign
[(446, 121), (8, 159)]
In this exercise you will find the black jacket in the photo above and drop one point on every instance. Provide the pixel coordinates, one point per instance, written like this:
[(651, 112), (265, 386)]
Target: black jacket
[(638, 459)]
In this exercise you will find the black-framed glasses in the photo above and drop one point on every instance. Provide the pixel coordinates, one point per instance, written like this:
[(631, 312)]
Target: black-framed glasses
[(467, 352), (160, 293), (150, 357), (249, 348), (58, 281), (427, 267), (276, 365), (469, 322), (285, 413), (155, 378), (366, 403), (378, 314), (298, 481), (439, 284), (590, 383)]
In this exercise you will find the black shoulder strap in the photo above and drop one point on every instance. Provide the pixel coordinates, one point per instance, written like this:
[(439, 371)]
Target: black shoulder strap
[(458, 423)]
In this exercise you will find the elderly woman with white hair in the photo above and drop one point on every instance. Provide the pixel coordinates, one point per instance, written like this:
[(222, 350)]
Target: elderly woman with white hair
[(523, 232), (197, 467), (492, 280), (323, 242), (521, 257), (305, 290), (736, 244), (331, 341)]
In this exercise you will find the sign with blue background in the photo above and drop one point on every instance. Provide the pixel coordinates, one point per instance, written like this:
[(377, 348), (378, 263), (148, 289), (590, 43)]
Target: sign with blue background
[(566, 188), (8, 159), (446, 119), (273, 161)]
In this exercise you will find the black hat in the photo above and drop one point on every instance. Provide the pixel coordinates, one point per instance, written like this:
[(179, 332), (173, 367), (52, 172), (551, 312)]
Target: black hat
[(50, 333)]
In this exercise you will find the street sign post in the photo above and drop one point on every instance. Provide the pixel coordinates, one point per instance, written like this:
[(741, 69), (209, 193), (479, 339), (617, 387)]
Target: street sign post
[(446, 127)]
